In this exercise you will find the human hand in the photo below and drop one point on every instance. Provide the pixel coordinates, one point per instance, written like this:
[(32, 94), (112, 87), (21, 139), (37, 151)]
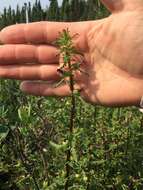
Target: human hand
[(111, 47)]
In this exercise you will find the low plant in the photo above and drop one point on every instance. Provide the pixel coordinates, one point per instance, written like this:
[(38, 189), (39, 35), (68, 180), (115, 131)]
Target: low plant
[(67, 69)]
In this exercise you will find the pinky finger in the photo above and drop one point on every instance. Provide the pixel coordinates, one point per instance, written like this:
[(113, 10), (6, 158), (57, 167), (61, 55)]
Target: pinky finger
[(44, 89)]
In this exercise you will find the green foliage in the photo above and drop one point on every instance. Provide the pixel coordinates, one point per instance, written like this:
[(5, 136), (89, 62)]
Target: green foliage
[(106, 143)]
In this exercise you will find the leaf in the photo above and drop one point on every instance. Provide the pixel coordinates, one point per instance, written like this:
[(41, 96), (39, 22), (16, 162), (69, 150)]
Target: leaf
[(67, 74), (59, 83), (4, 130), (3, 111), (24, 131), (24, 113), (99, 162), (76, 66), (66, 59), (59, 146)]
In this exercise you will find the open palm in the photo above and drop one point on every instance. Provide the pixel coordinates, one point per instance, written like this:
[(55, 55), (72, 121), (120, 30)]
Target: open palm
[(111, 48)]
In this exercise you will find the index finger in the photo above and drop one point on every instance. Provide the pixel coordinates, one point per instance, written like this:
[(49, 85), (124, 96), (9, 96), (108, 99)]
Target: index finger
[(40, 32)]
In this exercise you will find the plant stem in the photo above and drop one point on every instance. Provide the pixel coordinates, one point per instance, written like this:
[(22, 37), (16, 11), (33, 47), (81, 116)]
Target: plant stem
[(68, 69), (71, 127)]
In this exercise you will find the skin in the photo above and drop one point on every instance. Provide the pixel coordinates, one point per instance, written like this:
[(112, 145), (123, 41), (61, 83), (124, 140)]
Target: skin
[(112, 50)]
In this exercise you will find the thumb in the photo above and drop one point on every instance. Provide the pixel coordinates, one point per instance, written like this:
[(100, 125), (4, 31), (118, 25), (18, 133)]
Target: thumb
[(120, 5)]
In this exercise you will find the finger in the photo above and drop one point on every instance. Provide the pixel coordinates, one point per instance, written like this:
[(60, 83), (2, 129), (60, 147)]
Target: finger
[(11, 54), (44, 32), (30, 72), (44, 89), (37, 32)]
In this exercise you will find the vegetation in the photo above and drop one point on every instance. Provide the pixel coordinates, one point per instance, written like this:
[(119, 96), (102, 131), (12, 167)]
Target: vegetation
[(105, 145)]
